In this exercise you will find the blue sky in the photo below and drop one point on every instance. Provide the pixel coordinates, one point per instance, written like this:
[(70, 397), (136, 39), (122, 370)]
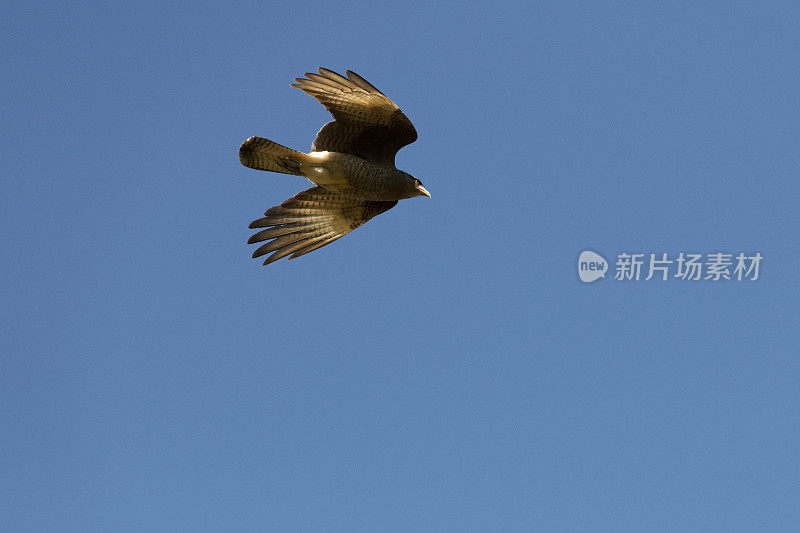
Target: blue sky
[(443, 367)]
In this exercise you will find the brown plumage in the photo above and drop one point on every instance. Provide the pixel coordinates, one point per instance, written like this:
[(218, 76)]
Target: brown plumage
[(351, 163)]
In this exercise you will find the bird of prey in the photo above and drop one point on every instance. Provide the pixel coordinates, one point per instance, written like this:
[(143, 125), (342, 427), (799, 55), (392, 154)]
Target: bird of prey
[(351, 164)]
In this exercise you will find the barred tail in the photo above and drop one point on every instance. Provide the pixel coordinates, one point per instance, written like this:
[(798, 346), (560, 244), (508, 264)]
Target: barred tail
[(263, 154)]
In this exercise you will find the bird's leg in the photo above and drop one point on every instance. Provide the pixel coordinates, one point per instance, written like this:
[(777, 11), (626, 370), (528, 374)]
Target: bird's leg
[(321, 169)]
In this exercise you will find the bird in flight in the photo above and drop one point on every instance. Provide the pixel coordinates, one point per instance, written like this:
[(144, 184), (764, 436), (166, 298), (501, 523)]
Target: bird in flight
[(351, 164)]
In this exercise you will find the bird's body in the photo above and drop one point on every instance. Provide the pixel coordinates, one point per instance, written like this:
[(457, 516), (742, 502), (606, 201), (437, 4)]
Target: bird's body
[(351, 163), (349, 174)]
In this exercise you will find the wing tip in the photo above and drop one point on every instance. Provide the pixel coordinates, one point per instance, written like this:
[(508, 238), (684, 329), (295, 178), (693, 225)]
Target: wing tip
[(362, 83)]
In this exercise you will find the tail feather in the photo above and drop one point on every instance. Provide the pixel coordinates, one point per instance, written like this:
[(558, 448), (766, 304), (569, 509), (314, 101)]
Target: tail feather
[(263, 154)]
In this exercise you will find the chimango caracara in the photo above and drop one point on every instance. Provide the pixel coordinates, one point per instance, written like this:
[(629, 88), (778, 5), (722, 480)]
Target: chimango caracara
[(351, 163)]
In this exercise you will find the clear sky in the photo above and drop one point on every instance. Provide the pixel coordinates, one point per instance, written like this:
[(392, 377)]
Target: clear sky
[(443, 367)]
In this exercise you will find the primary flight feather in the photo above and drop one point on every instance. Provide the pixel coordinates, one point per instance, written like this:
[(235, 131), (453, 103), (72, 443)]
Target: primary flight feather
[(351, 164)]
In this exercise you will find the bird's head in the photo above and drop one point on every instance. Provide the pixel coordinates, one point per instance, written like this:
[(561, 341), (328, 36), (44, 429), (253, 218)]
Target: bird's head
[(420, 190)]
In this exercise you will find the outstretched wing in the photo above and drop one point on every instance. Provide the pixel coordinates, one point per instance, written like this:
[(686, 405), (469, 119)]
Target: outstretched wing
[(367, 124), (310, 220)]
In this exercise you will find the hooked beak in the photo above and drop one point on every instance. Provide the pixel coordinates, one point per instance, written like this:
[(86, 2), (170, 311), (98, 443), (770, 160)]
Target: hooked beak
[(423, 191)]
